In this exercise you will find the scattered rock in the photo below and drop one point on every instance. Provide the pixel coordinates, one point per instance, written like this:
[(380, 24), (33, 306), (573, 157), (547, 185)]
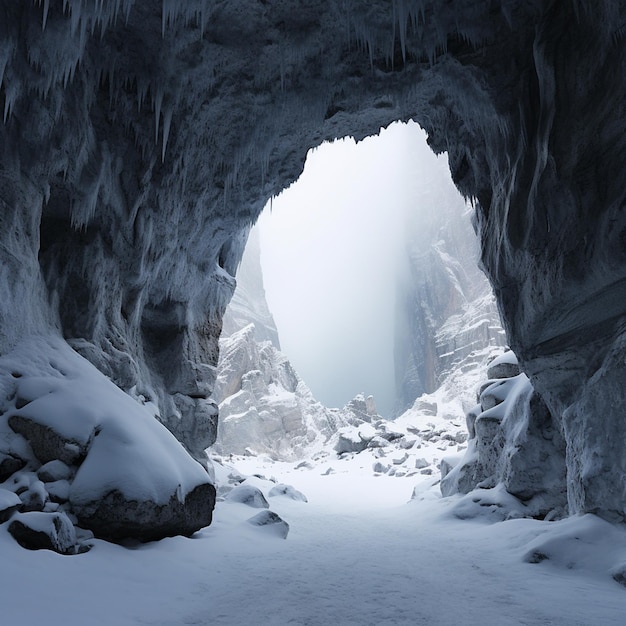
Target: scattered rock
[(380, 468), (400, 460), (9, 504), (305, 465), (53, 471), (270, 521), (328, 472), (421, 463), (248, 495), (34, 498), (9, 464), (287, 491), (44, 531), (424, 407)]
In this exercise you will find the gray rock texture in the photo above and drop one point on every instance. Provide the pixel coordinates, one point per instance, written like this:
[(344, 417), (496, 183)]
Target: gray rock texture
[(140, 139), (515, 443)]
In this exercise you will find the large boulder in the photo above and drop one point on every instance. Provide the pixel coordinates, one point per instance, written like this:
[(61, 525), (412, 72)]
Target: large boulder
[(105, 456)]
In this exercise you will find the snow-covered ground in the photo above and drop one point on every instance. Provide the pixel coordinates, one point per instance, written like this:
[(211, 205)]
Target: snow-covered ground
[(359, 552)]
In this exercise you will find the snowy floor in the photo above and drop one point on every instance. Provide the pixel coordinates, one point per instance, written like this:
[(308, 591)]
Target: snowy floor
[(357, 553)]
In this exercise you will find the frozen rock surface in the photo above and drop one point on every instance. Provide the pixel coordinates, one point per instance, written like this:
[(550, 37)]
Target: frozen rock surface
[(140, 139)]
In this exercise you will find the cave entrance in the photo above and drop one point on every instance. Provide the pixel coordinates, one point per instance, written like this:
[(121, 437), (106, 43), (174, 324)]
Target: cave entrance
[(364, 275)]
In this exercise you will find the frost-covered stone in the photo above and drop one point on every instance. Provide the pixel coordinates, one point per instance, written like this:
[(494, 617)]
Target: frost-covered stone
[(248, 495), (44, 531), (271, 522), (34, 498), (288, 491)]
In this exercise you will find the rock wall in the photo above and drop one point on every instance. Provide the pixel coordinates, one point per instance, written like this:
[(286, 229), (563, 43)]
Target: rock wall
[(446, 312), (139, 140)]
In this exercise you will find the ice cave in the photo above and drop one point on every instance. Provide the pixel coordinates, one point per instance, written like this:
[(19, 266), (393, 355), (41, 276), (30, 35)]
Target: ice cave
[(139, 142)]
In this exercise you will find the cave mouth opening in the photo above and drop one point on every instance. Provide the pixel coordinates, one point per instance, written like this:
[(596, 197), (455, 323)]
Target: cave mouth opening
[(337, 254)]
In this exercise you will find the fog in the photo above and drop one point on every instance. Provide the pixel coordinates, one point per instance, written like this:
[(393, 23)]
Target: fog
[(332, 247)]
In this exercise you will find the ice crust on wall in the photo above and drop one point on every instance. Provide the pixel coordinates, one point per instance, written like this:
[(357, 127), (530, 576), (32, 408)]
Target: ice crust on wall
[(140, 139)]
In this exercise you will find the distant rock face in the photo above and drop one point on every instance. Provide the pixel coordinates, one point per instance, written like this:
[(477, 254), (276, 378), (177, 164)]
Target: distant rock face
[(248, 304), (446, 311), (139, 140), (264, 405)]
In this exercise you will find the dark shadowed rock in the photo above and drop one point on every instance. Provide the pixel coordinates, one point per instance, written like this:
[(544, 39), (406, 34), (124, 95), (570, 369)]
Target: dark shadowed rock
[(115, 517), (47, 444), (9, 464)]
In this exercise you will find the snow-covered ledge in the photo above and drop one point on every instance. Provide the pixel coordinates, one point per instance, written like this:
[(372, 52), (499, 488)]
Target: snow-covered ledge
[(140, 139)]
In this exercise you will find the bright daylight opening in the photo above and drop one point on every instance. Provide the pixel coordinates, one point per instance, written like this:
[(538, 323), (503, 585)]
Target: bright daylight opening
[(363, 277)]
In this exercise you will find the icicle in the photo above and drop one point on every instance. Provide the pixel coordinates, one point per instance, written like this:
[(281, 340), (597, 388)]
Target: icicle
[(158, 101), (167, 120), (46, 6)]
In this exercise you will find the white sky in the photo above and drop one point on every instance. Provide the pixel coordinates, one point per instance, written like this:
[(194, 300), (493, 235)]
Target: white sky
[(330, 250)]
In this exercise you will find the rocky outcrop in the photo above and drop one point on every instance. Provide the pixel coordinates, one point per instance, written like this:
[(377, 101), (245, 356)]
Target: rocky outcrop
[(515, 443), (140, 139), (264, 405)]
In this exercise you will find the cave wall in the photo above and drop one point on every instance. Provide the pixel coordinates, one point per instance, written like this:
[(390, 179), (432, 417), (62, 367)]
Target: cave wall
[(141, 138)]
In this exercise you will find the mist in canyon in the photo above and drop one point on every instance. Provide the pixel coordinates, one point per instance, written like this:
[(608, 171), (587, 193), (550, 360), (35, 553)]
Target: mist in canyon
[(335, 253)]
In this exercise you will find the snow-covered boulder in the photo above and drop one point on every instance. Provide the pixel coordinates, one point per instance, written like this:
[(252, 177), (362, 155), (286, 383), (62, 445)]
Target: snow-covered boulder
[(504, 366), (287, 491), (248, 495), (44, 531), (271, 522), (116, 467), (9, 503)]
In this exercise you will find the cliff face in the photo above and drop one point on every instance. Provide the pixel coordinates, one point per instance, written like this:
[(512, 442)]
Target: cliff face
[(446, 312), (140, 139)]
